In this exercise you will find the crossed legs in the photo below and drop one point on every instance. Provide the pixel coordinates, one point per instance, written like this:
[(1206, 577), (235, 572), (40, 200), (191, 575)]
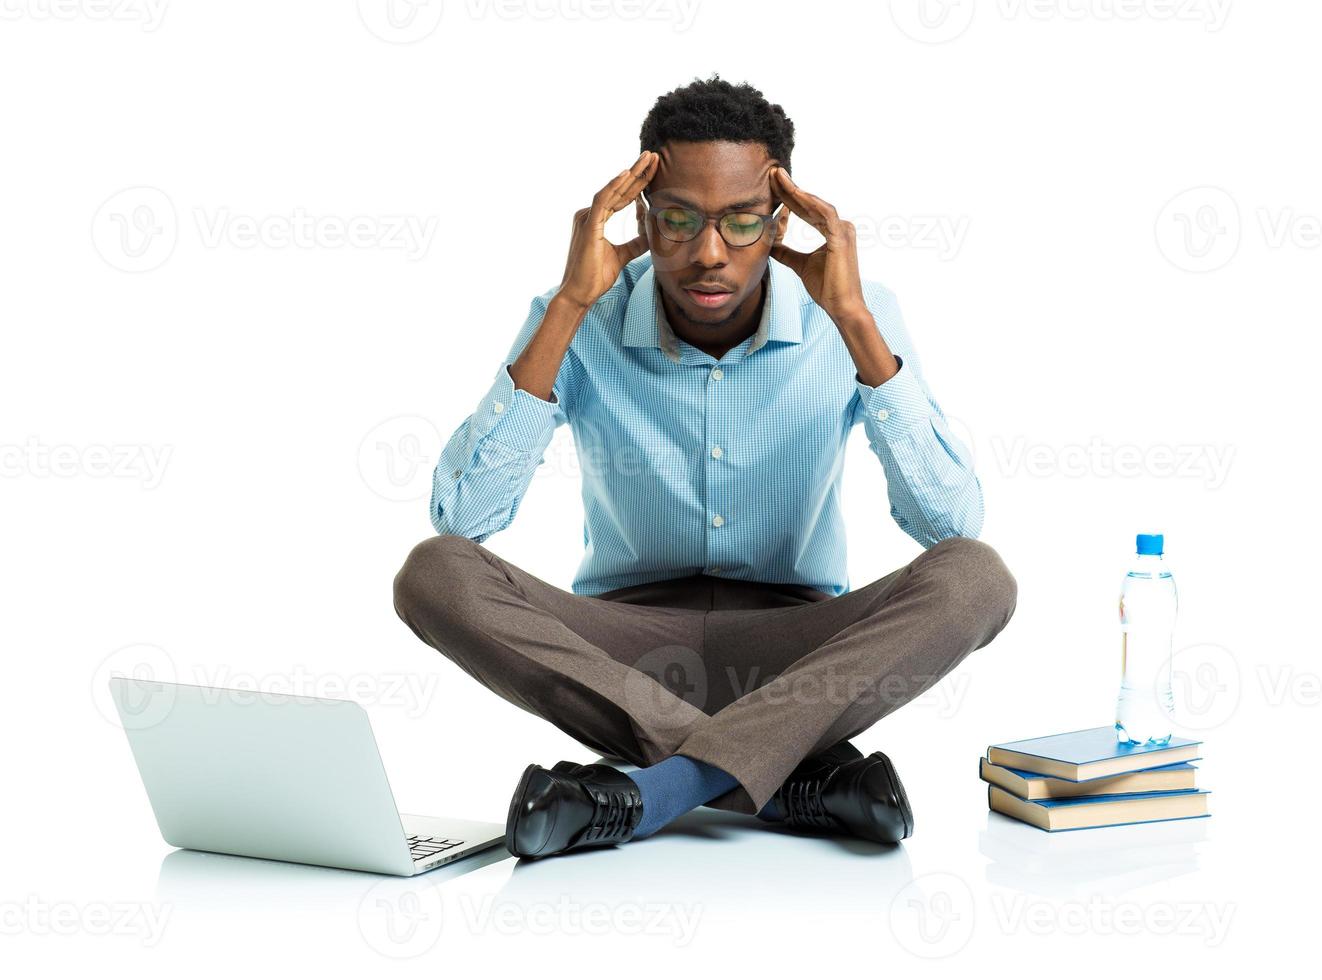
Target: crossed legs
[(752, 691)]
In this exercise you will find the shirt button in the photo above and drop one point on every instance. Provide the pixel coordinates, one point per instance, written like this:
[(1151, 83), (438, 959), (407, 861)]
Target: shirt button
[(457, 473), (718, 520), (714, 569), (717, 452), (498, 407), (882, 415), (717, 374)]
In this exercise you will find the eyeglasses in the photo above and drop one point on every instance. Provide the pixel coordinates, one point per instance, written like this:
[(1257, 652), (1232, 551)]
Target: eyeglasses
[(739, 228)]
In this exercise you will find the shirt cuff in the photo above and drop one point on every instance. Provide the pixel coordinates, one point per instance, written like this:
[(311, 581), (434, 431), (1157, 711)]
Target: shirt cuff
[(514, 417), (895, 406)]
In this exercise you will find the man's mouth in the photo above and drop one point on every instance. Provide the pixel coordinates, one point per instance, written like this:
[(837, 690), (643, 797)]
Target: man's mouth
[(708, 295)]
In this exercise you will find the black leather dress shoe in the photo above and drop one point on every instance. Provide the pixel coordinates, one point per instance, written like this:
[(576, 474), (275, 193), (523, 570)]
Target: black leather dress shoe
[(569, 807), (862, 797)]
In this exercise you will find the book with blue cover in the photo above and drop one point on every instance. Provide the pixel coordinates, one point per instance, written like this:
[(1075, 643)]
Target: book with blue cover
[(1090, 753), (1034, 786), (1079, 813)]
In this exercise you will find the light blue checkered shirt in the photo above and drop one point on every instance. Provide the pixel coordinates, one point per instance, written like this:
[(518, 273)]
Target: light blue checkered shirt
[(692, 464)]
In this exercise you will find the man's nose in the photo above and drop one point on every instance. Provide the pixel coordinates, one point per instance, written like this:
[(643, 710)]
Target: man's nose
[(709, 248)]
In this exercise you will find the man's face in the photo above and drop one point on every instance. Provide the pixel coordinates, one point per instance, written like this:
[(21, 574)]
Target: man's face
[(711, 178)]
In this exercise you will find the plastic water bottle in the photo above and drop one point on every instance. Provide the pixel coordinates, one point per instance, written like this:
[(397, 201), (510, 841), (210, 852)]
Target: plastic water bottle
[(1148, 605)]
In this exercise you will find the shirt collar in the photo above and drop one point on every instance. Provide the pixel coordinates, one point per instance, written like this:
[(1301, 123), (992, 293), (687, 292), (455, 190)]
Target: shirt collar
[(645, 323)]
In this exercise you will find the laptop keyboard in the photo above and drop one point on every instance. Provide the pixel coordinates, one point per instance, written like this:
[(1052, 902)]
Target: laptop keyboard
[(424, 847)]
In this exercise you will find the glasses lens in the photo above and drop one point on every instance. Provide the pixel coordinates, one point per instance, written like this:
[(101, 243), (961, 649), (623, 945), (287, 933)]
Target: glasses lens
[(679, 224), (741, 229)]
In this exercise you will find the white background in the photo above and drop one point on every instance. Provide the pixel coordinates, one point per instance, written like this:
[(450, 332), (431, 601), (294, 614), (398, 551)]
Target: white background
[(1101, 218)]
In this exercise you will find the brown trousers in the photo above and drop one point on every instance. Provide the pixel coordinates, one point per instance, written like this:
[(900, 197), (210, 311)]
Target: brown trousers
[(750, 677)]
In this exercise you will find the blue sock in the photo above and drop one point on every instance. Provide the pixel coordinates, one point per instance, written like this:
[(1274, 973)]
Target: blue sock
[(673, 787), (771, 811)]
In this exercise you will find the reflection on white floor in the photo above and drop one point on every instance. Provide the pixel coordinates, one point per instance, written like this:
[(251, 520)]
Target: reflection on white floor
[(1076, 864), (971, 880), (710, 863)]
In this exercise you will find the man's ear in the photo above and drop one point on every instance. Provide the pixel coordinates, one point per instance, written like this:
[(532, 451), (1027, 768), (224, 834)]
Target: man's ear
[(782, 222), (640, 213)]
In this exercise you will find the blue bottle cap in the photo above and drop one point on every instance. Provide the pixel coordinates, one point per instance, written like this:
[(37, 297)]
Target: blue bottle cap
[(1151, 544)]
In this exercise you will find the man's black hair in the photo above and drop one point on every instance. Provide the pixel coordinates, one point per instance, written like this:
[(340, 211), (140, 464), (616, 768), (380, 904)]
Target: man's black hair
[(713, 109)]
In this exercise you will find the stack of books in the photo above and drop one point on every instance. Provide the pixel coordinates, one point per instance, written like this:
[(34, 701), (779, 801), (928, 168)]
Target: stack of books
[(1087, 779)]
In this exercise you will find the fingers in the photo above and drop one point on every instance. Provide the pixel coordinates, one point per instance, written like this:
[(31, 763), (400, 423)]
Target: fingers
[(788, 256), (643, 170), (626, 186), (809, 207)]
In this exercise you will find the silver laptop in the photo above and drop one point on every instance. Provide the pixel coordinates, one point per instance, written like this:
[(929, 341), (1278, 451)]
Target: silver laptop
[(279, 776)]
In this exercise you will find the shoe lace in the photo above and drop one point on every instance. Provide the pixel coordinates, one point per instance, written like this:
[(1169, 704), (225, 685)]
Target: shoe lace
[(802, 801), (614, 814)]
